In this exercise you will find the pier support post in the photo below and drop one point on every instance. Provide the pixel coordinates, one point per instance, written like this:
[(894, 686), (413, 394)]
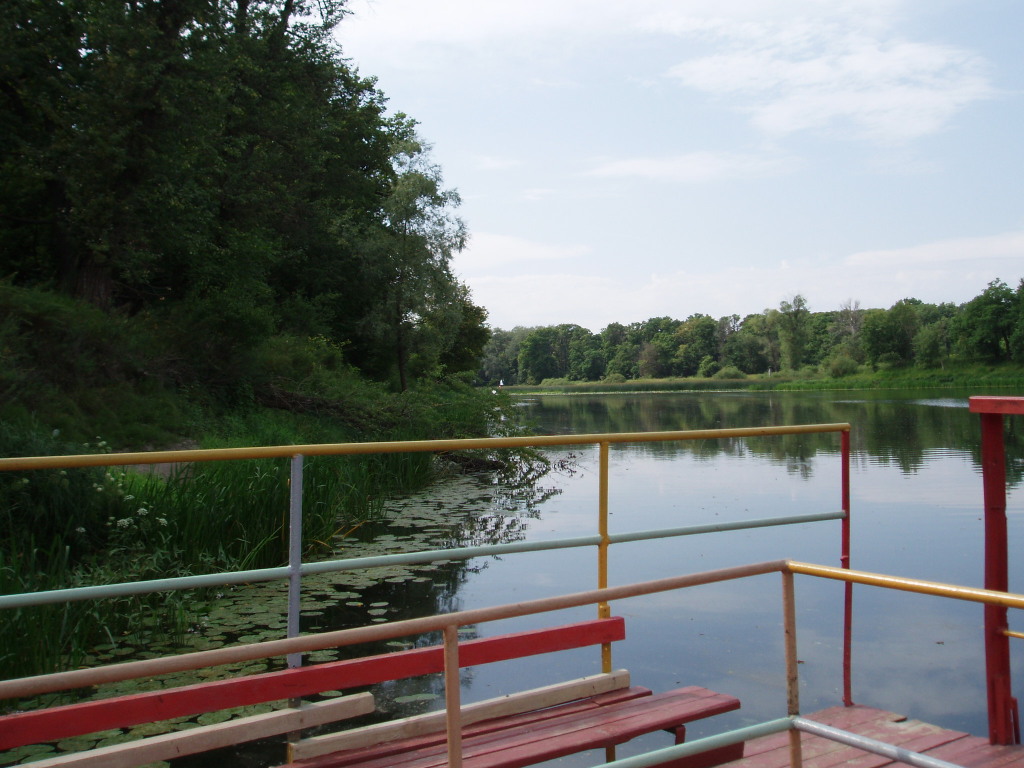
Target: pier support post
[(1003, 717)]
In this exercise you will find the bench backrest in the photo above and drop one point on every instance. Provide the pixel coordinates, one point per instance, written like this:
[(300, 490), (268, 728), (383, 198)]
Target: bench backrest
[(47, 725)]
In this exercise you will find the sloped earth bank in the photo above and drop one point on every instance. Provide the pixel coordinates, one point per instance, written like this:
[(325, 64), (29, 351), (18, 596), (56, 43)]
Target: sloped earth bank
[(461, 510)]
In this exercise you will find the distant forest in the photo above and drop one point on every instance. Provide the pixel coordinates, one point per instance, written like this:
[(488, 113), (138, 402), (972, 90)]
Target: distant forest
[(989, 328)]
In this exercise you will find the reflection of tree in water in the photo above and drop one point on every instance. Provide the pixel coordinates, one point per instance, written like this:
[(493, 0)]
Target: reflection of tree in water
[(889, 430)]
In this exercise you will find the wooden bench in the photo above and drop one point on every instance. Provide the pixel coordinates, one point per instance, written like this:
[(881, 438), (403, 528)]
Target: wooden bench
[(531, 736), (519, 729), (533, 726)]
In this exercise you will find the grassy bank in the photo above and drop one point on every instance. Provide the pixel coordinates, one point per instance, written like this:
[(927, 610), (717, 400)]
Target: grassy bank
[(76, 380), (1009, 376)]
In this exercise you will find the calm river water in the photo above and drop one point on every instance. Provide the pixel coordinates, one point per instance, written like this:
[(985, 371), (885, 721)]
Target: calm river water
[(916, 510)]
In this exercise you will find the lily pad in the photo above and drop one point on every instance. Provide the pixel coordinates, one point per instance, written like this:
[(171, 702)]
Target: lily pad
[(416, 697)]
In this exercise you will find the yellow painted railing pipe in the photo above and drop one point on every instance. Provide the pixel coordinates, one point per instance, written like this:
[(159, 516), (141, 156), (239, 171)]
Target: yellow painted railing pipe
[(920, 586), (409, 446)]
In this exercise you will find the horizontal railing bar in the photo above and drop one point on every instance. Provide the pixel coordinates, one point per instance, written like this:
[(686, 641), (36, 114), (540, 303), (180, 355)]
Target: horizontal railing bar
[(104, 591), (457, 553), (399, 446), (80, 678), (916, 759), (1011, 633), (920, 586), (737, 525), (662, 756)]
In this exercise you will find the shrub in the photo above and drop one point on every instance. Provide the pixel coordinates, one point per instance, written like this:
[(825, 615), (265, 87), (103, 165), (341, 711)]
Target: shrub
[(842, 365), (730, 372)]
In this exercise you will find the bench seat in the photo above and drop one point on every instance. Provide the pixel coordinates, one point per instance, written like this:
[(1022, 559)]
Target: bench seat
[(603, 720)]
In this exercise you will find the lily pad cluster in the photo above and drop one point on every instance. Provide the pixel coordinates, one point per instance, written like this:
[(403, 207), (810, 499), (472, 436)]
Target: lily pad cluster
[(463, 510)]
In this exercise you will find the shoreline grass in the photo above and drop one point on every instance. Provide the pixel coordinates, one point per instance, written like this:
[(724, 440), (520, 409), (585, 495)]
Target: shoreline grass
[(1005, 376)]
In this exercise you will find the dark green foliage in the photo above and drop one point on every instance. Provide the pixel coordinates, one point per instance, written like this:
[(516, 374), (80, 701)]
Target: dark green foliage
[(986, 324), (220, 169), (791, 340)]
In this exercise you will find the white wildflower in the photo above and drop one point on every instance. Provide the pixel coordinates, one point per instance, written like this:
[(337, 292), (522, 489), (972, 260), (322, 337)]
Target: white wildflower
[(162, 520)]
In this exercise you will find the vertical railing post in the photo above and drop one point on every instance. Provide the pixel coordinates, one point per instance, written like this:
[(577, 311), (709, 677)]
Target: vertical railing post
[(603, 609), (452, 696), (844, 560), (792, 666), (295, 555), (1001, 726)]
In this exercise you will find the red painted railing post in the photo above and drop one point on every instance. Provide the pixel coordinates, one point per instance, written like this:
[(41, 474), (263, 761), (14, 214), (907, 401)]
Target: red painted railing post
[(1003, 718)]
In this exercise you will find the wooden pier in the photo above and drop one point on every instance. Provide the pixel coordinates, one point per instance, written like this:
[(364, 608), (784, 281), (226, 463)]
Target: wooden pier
[(953, 746)]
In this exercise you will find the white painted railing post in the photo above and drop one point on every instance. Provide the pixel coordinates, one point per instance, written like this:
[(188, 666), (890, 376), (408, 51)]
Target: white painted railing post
[(295, 555)]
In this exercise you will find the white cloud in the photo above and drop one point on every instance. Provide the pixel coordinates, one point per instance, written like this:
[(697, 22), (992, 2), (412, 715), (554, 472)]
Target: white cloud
[(495, 163), (693, 167), (791, 65), (539, 193), (813, 74), (955, 270), (1007, 248), (487, 251)]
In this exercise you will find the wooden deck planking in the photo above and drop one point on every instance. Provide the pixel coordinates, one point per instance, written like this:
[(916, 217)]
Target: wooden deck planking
[(953, 746)]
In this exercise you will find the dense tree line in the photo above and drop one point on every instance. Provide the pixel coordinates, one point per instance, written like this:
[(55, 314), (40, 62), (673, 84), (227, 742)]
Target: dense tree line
[(217, 168), (988, 328)]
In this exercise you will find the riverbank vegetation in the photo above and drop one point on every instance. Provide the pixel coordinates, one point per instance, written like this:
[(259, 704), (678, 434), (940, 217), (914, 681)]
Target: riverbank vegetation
[(913, 342), (211, 233)]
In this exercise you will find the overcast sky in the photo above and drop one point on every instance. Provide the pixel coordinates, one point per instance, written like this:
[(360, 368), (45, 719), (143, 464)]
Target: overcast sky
[(637, 158)]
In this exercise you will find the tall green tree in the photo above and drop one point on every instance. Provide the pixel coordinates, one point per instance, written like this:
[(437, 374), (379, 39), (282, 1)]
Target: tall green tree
[(985, 324), (794, 331), (216, 164), (421, 233)]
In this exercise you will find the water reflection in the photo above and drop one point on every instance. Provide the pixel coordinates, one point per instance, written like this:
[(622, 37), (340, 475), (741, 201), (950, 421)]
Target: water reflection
[(886, 428), (917, 510)]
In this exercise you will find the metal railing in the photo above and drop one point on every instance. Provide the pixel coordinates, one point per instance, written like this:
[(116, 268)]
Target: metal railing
[(448, 625), (296, 568), (294, 645)]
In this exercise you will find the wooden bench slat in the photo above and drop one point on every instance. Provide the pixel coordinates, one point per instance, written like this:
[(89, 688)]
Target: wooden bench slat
[(522, 744), (88, 717), (604, 727), (431, 725), (170, 745)]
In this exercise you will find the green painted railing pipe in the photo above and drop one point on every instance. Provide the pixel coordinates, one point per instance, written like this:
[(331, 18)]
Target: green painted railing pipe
[(359, 563), (380, 561), (738, 525), (142, 587), (661, 756), (435, 555)]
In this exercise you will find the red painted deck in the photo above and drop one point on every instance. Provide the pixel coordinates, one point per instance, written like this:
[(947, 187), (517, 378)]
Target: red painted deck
[(952, 746)]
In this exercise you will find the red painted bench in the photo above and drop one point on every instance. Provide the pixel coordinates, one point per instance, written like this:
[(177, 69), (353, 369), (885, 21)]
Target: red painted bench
[(604, 709), (592, 722)]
